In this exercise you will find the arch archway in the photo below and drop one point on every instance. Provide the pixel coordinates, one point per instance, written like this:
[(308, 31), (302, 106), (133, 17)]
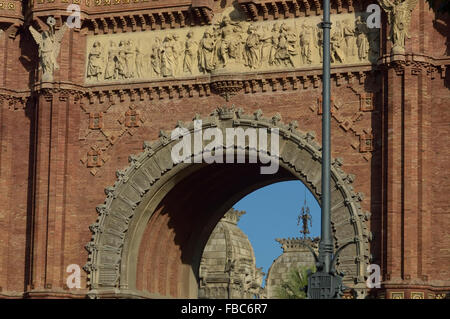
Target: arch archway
[(156, 219)]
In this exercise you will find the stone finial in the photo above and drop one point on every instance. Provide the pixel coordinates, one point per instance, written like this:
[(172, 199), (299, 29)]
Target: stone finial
[(276, 119), (258, 114), (233, 215), (293, 125), (147, 145), (164, 137)]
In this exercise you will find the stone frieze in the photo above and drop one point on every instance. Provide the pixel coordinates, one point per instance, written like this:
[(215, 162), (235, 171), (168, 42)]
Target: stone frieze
[(228, 46)]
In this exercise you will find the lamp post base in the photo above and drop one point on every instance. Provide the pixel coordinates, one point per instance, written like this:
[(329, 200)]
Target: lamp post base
[(322, 285)]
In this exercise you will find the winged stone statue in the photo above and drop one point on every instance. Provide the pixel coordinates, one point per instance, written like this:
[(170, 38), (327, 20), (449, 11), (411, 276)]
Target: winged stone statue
[(399, 17), (49, 42)]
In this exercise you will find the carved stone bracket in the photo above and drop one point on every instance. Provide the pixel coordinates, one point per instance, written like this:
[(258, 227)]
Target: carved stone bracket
[(226, 89)]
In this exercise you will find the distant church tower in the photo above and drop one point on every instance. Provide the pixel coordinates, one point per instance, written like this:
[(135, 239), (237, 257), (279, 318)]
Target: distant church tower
[(295, 254)]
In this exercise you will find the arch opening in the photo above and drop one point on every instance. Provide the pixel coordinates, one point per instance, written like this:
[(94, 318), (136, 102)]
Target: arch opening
[(258, 244)]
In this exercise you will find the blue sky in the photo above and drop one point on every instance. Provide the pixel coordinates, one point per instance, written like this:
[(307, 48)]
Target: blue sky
[(272, 213)]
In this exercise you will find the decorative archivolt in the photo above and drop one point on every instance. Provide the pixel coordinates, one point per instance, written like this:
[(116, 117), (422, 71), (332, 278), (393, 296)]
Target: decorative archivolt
[(227, 46), (299, 153)]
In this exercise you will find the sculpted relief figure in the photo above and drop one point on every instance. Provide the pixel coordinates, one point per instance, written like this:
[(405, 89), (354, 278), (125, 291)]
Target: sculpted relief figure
[(362, 41), (121, 65), (95, 62), (226, 41), (49, 45), (252, 48), (190, 53), (168, 57), (155, 57), (141, 63), (206, 52), (287, 46), (350, 40), (111, 62), (307, 43), (275, 39), (293, 46), (178, 53), (237, 51), (336, 43), (319, 32), (265, 37), (399, 17), (130, 55)]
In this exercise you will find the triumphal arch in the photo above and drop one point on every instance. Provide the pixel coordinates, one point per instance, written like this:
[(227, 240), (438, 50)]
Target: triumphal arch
[(86, 174)]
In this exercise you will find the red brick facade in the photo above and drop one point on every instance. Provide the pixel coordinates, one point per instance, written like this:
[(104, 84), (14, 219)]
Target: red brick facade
[(62, 142)]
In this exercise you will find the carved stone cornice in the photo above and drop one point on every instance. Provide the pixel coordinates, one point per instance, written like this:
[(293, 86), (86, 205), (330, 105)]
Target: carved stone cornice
[(143, 20), (272, 9), (148, 18), (225, 85), (112, 16), (415, 64), (11, 12), (98, 18), (62, 92), (14, 100)]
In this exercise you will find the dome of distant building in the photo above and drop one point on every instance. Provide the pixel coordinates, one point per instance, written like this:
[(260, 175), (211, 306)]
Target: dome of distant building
[(227, 267), (295, 255)]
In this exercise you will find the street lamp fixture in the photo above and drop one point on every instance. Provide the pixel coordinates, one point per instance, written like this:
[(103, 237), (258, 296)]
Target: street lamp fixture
[(326, 282)]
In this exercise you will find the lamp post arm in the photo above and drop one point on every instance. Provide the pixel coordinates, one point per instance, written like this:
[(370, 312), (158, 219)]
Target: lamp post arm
[(336, 255)]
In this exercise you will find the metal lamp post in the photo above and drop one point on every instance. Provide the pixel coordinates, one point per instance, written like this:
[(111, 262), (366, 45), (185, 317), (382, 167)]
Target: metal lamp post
[(325, 283)]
